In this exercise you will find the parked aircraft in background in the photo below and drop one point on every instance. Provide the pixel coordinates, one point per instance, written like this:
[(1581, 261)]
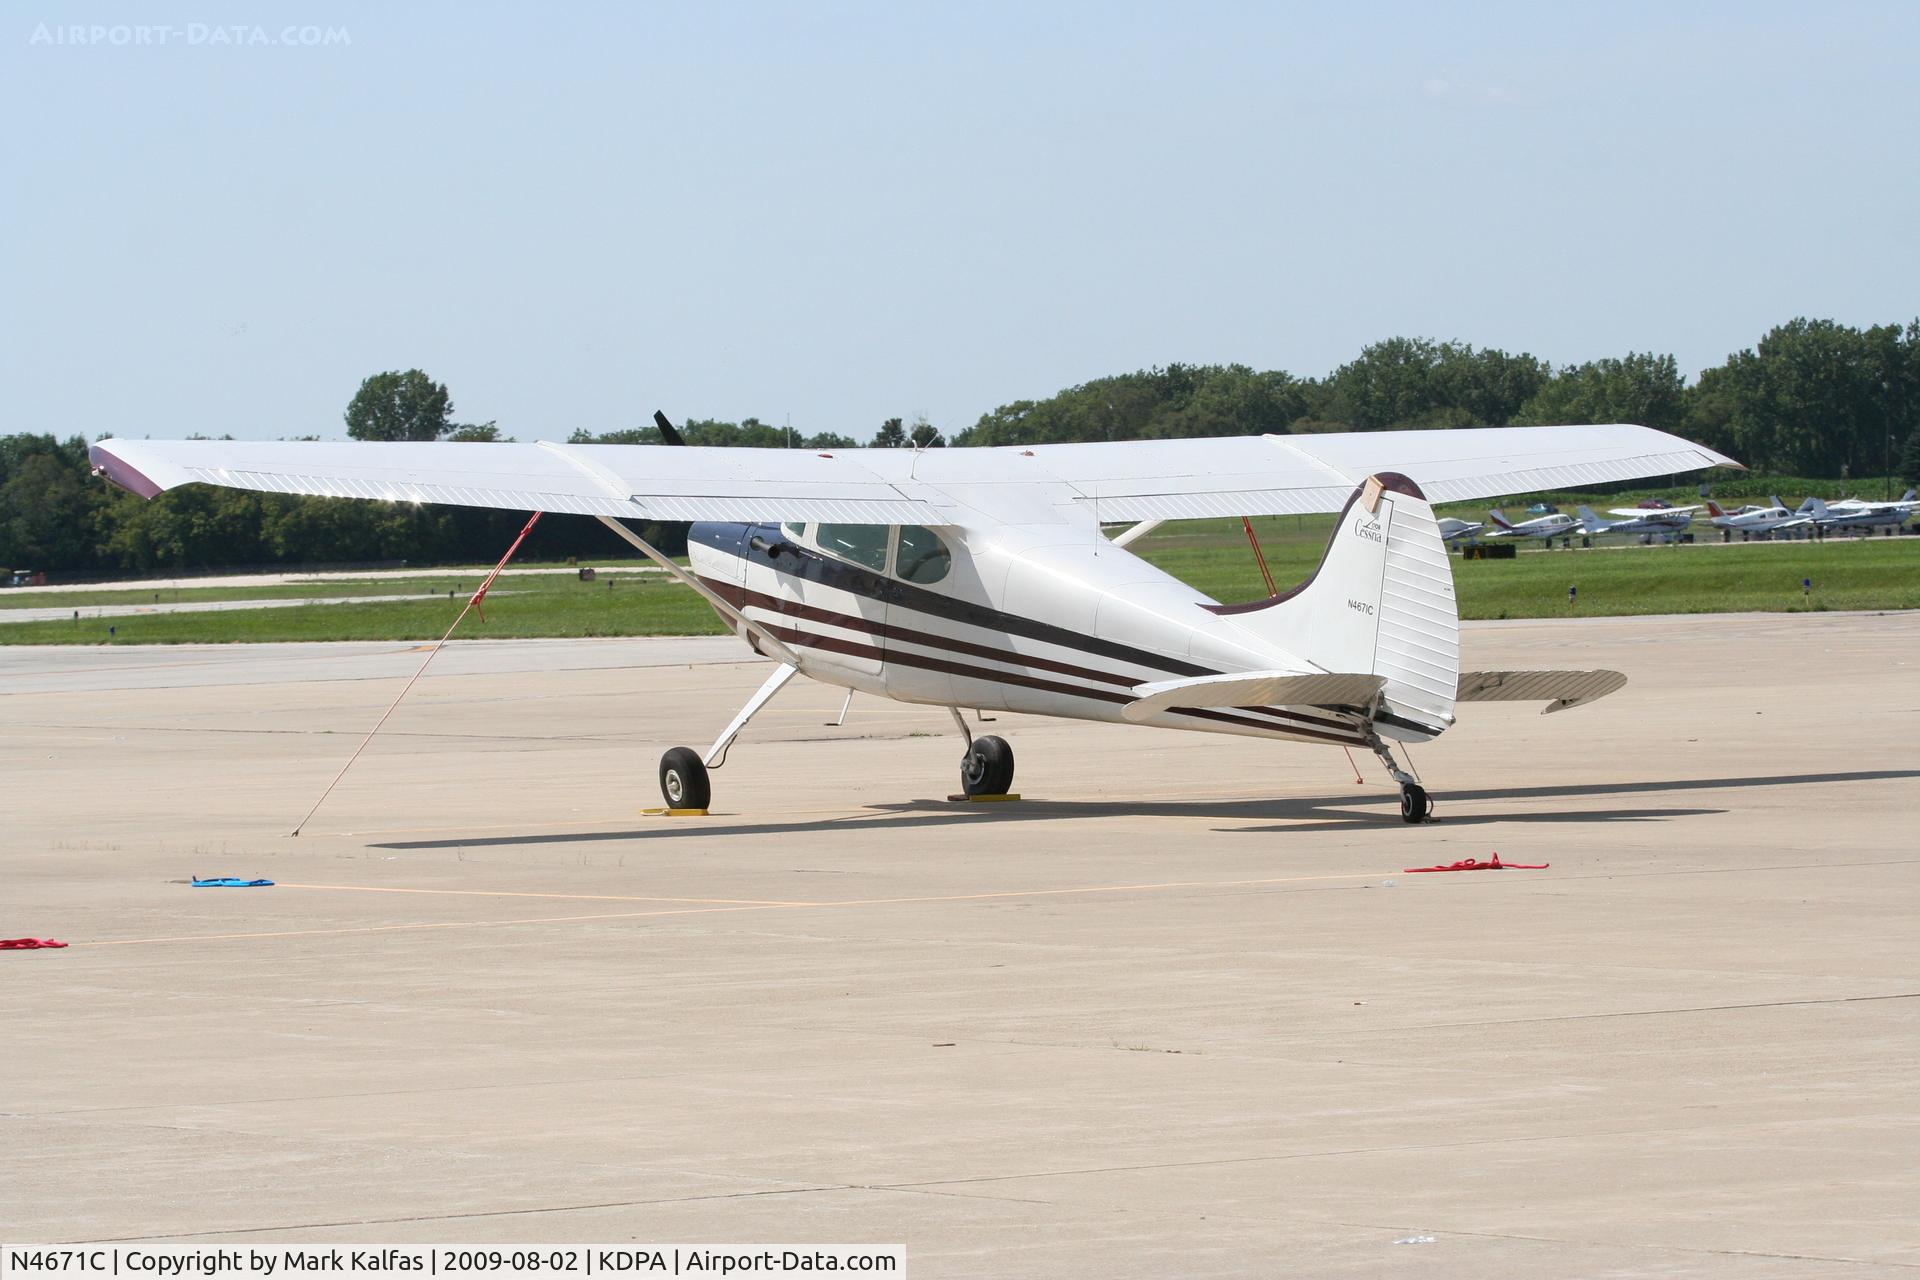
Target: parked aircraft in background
[(1546, 528), (979, 577), (1852, 513), (1452, 530), (1651, 521), (1753, 518), (1906, 504)]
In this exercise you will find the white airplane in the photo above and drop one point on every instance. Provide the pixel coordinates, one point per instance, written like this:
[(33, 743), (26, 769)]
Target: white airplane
[(1753, 518), (1643, 520), (979, 577), (1547, 527), (1855, 513), (1452, 530)]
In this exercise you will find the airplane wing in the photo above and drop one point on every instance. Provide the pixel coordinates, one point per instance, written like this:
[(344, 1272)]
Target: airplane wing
[(1125, 480), (636, 481), (1653, 513)]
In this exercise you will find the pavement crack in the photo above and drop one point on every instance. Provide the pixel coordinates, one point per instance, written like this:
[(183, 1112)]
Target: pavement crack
[(473, 1214)]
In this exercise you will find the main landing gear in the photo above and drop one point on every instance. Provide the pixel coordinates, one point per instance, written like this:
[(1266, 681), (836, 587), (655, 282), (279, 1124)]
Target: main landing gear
[(985, 770), (1415, 805), (987, 767), (684, 783)]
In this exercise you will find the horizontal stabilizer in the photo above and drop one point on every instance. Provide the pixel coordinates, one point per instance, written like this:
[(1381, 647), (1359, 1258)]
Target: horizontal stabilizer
[(1255, 689), (1558, 689)]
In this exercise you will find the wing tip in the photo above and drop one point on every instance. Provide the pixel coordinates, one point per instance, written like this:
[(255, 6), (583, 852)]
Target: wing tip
[(120, 473)]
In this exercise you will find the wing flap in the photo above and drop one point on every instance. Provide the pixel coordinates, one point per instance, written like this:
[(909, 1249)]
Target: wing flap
[(1558, 689), (1291, 475)]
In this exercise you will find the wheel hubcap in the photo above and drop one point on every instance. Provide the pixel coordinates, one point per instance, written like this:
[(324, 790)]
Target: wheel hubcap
[(674, 789)]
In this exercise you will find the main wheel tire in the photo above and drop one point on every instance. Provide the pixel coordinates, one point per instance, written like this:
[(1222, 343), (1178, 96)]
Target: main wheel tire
[(1414, 804), (987, 768), (683, 779)]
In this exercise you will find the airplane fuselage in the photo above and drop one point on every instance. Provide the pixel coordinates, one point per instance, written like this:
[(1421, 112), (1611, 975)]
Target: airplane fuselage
[(1861, 519), (1651, 524), (1048, 619), (1546, 527), (1760, 520)]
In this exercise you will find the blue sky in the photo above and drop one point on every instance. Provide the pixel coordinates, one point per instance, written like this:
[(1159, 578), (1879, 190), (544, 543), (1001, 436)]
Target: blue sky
[(843, 213)]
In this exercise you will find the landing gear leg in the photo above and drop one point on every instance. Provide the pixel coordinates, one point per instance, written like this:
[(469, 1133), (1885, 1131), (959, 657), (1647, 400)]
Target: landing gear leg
[(683, 773), (1415, 805)]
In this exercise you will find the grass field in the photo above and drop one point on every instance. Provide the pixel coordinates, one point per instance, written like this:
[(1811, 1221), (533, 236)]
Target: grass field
[(440, 584), (517, 608), (1708, 577)]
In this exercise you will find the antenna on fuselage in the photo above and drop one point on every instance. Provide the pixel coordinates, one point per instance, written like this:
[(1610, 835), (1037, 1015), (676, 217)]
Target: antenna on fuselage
[(667, 433)]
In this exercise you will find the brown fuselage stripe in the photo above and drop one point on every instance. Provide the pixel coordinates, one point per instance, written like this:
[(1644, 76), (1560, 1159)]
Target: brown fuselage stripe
[(853, 648)]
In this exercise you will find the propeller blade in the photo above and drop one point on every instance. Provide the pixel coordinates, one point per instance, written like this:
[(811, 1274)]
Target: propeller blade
[(667, 432)]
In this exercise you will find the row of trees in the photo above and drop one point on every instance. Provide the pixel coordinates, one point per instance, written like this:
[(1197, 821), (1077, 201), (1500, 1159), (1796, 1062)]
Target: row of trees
[(1812, 398)]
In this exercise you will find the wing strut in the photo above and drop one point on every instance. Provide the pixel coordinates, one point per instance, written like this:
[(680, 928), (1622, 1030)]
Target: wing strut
[(774, 647), (1253, 541), (611, 484)]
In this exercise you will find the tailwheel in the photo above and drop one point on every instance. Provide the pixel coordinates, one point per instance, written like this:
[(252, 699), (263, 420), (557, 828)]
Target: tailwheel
[(683, 779), (987, 768), (1414, 803)]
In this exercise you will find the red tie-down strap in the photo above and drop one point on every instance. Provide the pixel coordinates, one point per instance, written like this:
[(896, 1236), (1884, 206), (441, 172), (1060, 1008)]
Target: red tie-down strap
[(28, 944), (1474, 864)]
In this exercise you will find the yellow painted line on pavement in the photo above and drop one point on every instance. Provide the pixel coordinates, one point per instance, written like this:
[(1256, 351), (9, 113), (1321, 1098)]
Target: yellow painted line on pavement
[(402, 928), (585, 897)]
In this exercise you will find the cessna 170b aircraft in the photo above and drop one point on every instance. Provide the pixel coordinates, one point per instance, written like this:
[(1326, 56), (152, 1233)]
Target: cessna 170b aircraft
[(981, 578)]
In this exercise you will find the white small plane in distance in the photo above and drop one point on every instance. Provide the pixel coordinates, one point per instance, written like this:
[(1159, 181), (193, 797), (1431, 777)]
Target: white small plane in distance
[(1906, 502), (1452, 529), (1856, 513), (980, 578), (1753, 518), (1652, 521), (1548, 527)]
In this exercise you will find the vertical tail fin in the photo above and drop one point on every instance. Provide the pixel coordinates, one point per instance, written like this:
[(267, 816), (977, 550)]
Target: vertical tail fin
[(1713, 509), (1499, 518), (1380, 603)]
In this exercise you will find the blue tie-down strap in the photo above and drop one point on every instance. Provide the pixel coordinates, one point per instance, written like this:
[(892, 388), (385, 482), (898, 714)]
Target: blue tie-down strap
[(228, 882)]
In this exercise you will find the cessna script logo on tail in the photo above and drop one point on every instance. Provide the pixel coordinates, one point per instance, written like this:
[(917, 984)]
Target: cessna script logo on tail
[(1366, 526)]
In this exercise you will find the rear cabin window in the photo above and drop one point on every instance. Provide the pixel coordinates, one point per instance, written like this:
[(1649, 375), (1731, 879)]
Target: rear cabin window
[(921, 557), (864, 544)]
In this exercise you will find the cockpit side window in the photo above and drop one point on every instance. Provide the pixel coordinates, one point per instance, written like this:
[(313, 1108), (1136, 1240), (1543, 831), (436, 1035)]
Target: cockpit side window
[(921, 557), (864, 544), (795, 529)]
